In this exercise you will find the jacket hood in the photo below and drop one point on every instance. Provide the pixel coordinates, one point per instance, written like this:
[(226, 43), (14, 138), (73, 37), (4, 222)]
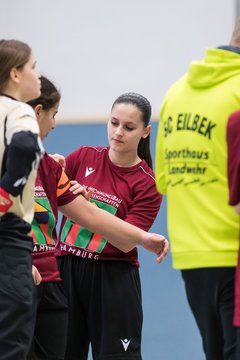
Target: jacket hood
[(218, 65)]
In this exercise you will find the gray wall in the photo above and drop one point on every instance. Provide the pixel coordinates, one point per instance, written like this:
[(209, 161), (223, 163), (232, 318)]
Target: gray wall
[(96, 49)]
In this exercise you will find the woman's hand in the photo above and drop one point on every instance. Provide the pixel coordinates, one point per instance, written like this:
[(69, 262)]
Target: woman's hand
[(77, 189), (237, 208), (36, 275), (157, 244), (60, 159)]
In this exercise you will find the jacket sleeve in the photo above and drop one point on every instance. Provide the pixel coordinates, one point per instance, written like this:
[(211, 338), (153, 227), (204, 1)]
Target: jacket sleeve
[(22, 155), (233, 157)]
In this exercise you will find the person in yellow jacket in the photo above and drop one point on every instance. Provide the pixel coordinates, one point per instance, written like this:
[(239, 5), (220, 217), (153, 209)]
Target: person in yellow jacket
[(191, 169)]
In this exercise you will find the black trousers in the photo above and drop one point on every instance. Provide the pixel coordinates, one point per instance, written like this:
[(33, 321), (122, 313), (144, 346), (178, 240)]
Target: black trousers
[(210, 293), (105, 309), (50, 334), (17, 292), (238, 343)]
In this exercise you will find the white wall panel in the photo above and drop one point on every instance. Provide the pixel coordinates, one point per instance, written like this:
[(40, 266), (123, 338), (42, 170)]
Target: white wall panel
[(96, 49)]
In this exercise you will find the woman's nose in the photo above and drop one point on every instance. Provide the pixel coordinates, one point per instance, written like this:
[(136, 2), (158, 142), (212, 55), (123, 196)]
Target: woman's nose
[(119, 131)]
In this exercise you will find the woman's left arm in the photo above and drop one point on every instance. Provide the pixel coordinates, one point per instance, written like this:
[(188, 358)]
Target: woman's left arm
[(145, 206)]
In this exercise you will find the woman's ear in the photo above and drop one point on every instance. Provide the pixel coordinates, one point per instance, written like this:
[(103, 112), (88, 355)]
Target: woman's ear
[(38, 109), (146, 131), (14, 75)]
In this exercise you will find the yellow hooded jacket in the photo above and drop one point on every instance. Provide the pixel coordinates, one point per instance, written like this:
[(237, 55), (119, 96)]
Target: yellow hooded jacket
[(191, 162)]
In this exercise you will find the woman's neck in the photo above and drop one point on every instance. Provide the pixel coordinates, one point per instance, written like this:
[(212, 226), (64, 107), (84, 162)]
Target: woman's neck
[(7, 95), (123, 160), (11, 92)]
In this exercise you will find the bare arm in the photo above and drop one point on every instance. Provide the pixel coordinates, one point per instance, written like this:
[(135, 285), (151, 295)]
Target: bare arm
[(37, 279), (119, 233), (237, 208)]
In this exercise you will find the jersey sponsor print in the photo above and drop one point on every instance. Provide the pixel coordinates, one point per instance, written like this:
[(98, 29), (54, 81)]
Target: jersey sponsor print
[(77, 235)]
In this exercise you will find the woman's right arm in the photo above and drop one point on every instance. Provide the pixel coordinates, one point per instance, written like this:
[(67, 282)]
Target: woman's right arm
[(119, 233)]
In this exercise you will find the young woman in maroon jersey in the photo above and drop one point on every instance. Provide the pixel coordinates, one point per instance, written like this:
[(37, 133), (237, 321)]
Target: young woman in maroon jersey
[(102, 282), (52, 193)]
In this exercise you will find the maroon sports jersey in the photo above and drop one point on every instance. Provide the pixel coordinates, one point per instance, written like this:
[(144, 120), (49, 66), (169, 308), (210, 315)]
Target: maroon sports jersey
[(51, 191), (233, 143), (127, 192)]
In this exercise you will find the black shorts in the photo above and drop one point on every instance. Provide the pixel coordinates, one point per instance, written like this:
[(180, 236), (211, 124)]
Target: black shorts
[(17, 295), (50, 334), (105, 309)]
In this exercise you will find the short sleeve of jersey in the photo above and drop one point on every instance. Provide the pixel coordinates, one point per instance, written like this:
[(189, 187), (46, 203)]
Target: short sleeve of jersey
[(64, 196), (146, 202), (73, 162), (233, 146)]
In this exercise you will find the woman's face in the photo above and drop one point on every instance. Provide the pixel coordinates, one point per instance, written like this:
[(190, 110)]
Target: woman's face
[(28, 81), (126, 128), (46, 119)]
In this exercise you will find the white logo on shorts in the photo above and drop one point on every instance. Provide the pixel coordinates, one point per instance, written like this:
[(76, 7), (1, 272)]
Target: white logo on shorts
[(125, 343)]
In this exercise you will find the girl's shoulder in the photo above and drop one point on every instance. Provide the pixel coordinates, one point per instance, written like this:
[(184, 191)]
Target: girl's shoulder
[(86, 151), (146, 170), (50, 166)]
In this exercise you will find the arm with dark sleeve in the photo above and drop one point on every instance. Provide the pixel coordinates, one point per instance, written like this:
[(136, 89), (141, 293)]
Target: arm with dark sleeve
[(233, 157), (145, 206), (23, 154), (64, 196)]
